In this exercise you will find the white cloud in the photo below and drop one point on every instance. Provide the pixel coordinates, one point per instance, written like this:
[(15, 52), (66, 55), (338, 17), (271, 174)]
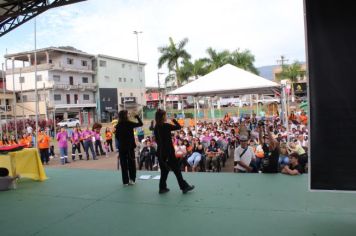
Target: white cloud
[(267, 28)]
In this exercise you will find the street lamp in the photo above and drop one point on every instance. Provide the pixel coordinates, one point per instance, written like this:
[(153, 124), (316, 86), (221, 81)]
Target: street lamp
[(138, 67), (159, 88)]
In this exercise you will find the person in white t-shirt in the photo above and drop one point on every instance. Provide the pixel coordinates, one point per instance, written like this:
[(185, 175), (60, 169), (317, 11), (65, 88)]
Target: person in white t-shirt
[(243, 156)]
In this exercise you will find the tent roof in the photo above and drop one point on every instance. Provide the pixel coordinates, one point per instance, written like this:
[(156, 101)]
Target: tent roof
[(227, 80)]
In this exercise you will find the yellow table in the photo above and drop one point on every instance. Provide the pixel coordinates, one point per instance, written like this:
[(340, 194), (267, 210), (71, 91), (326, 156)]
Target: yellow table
[(26, 163)]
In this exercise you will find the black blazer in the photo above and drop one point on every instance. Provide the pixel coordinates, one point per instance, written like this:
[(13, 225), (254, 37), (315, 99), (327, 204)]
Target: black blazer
[(165, 148), (124, 133)]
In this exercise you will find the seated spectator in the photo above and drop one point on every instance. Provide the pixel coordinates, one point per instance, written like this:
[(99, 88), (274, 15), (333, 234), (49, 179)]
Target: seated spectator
[(213, 153), (197, 153), (180, 149), (6, 181), (244, 156), (283, 155), (294, 168), (295, 147)]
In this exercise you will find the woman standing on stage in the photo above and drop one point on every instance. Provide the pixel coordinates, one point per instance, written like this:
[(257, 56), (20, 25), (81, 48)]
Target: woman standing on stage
[(124, 133), (166, 153)]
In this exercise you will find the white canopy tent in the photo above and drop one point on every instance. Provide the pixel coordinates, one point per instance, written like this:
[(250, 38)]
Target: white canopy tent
[(227, 80)]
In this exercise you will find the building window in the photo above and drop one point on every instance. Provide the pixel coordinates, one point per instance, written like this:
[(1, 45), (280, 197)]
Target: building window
[(22, 79), (24, 98), (124, 79), (131, 94), (123, 65), (56, 78), (106, 77), (86, 97), (57, 97), (102, 63), (131, 80), (84, 63), (85, 80), (120, 94), (120, 79), (39, 78), (69, 61)]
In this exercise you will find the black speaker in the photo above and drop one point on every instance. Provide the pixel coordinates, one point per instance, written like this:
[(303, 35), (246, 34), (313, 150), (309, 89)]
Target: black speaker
[(331, 59)]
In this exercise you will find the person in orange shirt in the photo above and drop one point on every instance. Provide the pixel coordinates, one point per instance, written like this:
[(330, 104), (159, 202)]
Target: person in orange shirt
[(29, 140), (303, 118), (13, 140), (23, 141), (191, 122), (43, 146), (108, 138)]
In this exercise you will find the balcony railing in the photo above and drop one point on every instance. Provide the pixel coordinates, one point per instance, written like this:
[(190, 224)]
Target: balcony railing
[(82, 87), (49, 66)]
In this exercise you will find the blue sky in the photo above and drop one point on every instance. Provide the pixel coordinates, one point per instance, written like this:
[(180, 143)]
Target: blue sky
[(268, 28)]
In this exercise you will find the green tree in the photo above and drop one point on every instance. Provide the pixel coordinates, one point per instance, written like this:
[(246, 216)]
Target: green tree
[(216, 59), (196, 69), (172, 54), (243, 60), (292, 72)]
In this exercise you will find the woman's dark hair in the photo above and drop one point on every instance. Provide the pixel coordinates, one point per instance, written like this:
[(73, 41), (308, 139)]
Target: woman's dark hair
[(159, 117), (4, 172), (123, 116), (295, 155)]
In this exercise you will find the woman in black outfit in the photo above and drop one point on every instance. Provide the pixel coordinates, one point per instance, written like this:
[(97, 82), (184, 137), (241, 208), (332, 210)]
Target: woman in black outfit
[(165, 153), (125, 135)]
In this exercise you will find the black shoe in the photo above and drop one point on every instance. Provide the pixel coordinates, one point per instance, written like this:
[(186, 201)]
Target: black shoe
[(187, 189), (163, 190)]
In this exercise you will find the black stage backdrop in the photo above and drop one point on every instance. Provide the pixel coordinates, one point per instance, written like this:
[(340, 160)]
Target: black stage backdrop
[(331, 49)]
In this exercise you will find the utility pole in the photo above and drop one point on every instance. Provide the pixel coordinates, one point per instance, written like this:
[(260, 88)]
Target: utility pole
[(159, 89), (283, 93)]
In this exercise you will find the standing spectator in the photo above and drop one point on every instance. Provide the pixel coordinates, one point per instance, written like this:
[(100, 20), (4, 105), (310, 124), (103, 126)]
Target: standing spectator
[(270, 148), (29, 129), (147, 156), (125, 135), (243, 156), (140, 134), (165, 152), (108, 138), (98, 145), (62, 138), (76, 136), (43, 145), (88, 142)]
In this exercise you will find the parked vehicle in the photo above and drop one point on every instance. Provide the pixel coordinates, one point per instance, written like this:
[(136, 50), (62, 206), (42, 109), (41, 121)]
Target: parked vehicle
[(71, 122)]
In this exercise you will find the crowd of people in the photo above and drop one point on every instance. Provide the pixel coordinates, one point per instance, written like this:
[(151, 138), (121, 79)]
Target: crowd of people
[(256, 144)]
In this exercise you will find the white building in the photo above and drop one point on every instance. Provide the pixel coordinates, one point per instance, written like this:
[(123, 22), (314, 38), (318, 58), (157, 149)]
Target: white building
[(121, 85), (65, 81)]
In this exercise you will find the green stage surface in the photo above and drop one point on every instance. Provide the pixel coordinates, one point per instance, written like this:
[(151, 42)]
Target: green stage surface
[(93, 202)]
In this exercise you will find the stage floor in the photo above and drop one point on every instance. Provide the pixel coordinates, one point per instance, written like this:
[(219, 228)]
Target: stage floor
[(94, 202)]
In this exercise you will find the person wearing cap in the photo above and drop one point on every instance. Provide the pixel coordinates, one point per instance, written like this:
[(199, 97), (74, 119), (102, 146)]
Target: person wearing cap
[(243, 156), (43, 146)]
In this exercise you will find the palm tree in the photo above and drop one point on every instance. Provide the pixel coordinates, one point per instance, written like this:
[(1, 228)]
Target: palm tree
[(196, 69), (216, 59), (172, 54), (243, 60), (292, 72)]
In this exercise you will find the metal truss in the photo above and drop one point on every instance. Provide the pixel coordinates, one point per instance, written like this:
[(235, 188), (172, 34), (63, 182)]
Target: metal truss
[(14, 13)]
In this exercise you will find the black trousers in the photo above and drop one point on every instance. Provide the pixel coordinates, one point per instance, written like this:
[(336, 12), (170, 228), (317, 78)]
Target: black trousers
[(128, 165), (44, 153), (98, 147), (173, 165), (75, 147), (109, 141)]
